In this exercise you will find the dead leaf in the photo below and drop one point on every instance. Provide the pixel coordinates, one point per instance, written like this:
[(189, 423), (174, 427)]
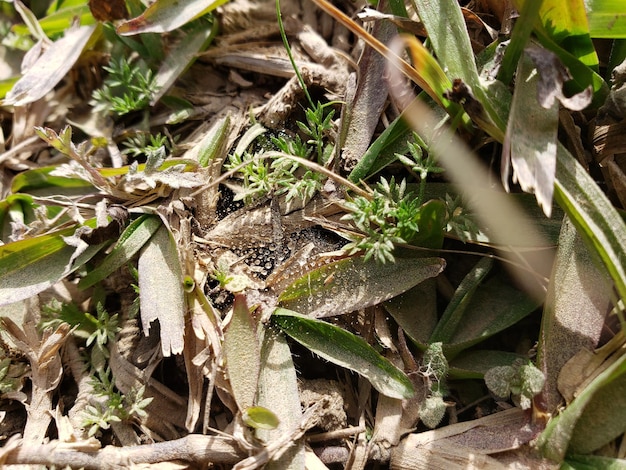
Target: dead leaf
[(167, 15), (161, 290), (529, 146), (552, 76), (46, 370), (466, 445), (50, 68)]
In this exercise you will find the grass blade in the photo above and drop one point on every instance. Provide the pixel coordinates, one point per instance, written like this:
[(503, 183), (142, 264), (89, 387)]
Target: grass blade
[(130, 242)]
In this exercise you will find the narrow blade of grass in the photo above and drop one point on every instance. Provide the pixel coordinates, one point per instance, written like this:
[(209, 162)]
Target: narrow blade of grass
[(129, 243)]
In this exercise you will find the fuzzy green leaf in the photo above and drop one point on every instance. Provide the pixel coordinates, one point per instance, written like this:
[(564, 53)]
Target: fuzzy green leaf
[(495, 306), (346, 350), (350, 284), (593, 215), (243, 356)]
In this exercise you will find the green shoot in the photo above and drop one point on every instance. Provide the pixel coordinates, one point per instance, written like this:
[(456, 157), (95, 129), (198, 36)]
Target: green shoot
[(147, 144), (419, 164), (390, 216), (97, 330), (283, 175), (114, 407), (129, 87), (459, 222)]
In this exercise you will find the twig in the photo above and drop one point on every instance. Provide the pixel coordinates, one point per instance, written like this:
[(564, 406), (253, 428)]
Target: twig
[(194, 448)]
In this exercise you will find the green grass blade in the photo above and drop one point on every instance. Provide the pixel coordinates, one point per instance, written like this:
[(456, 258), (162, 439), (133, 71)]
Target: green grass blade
[(444, 331), (30, 266), (607, 18), (40, 181), (382, 151), (346, 350), (130, 242)]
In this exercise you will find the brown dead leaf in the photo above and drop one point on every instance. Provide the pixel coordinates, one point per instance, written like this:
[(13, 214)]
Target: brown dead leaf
[(466, 445), (552, 76), (46, 370)]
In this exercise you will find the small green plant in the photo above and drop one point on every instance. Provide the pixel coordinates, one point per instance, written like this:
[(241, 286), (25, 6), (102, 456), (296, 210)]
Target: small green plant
[(147, 144), (422, 165), (128, 87), (435, 370), (284, 175), (97, 330), (389, 216), (113, 407), (521, 380)]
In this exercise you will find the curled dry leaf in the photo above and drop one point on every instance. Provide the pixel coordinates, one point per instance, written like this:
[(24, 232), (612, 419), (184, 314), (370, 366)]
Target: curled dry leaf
[(50, 67), (552, 76)]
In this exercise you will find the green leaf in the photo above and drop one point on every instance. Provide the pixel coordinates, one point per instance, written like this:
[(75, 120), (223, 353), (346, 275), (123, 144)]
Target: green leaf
[(592, 462), (129, 243), (574, 313), (593, 215), (452, 46), (351, 284), (59, 21), (566, 24), (452, 316), (243, 356), (415, 311), (161, 292), (603, 420), (555, 439), (278, 391), (39, 181), (474, 364), (213, 142), (607, 18), (167, 15), (15, 208), (494, 307), (259, 417), (30, 266), (346, 350), (382, 151), (179, 59)]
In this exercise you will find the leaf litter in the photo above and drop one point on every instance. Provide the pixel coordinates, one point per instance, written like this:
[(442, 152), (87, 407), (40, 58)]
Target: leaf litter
[(213, 369)]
